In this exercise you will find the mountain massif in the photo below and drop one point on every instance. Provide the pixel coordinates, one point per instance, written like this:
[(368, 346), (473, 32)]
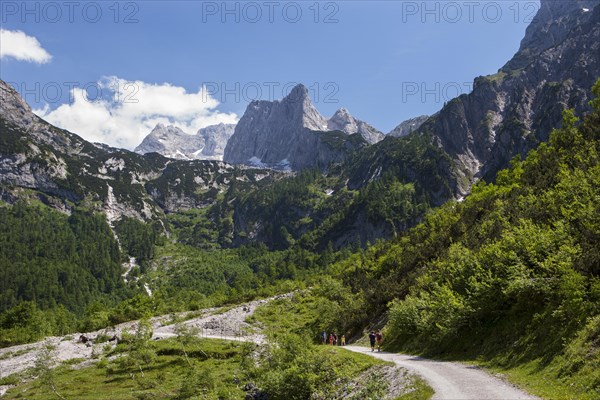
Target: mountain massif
[(170, 141), (292, 134)]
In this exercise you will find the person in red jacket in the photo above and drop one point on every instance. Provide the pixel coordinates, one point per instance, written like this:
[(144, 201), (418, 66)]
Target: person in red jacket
[(379, 340)]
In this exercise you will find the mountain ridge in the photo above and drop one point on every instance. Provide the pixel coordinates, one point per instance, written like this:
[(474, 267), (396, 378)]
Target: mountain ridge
[(172, 142), (483, 130)]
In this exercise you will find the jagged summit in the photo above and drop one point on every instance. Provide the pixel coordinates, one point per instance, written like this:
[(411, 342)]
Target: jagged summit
[(292, 133), (171, 141), (509, 113), (408, 126), (13, 107), (343, 121)]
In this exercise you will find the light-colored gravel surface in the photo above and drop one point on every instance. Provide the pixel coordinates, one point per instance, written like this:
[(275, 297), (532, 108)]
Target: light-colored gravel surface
[(230, 325), (451, 380)]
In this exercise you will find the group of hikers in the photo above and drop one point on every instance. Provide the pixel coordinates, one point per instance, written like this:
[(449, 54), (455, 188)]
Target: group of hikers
[(375, 338), (334, 339)]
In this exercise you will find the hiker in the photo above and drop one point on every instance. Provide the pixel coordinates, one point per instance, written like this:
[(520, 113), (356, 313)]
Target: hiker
[(324, 337), (331, 339), (335, 339), (343, 340), (379, 339), (372, 340)]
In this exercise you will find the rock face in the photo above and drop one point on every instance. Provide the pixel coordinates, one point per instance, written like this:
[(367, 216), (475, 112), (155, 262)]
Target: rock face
[(408, 126), (215, 139), (290, 134), (170, 141), (511, 112), (343, 121)]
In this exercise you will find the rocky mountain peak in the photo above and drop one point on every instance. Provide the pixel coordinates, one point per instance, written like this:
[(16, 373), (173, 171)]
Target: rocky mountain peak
[(408, 126), (552, 24), (12, 106), (343, 121), (301, 109), (162, 131), (285, 134), (509, 113), (215, 139), (171, 141)]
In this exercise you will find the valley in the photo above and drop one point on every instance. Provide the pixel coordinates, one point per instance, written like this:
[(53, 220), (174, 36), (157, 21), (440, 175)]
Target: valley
[(207, 262)]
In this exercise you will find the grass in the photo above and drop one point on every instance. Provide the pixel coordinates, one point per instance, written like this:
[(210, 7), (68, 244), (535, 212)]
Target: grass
[(349, 362), (545, 380), (217, 374), (11, 354), (289, 314), (164, 378), (419, 390), (298, 313)]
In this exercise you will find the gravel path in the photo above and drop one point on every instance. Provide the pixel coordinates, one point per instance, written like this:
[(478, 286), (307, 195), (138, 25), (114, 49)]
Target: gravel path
[(451, 380)]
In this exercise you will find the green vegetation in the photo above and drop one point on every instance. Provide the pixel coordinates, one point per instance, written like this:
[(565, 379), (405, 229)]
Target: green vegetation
[(167, 375), (51, 258), (309, 312), (509, 277), (291, 368), (190, 368)]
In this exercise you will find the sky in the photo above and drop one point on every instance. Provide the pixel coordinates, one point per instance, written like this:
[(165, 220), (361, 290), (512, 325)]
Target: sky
[(110, 71)]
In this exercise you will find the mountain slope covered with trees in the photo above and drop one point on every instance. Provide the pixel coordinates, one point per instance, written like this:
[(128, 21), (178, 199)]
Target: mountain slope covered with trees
[(511, 275)]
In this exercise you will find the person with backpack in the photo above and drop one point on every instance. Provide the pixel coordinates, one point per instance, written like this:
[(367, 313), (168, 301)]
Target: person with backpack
[(372, 340), (379, 340), (324, 337)]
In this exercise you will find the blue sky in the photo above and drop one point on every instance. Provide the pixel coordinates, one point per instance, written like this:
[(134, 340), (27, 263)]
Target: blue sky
[(385, 61)]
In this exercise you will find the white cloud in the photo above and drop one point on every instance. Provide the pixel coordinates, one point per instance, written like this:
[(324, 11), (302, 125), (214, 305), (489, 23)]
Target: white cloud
[(18, 45), (127, 111)]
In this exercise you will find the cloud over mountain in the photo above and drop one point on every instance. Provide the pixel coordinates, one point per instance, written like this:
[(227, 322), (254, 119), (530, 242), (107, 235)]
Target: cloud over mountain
[(123, 112)]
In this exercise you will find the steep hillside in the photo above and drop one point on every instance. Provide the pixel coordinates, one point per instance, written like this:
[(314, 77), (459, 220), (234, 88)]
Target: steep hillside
[(513, 111), (511, 275)]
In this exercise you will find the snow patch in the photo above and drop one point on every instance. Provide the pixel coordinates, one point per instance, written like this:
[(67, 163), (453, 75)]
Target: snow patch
[(256, 162), (284, 165)]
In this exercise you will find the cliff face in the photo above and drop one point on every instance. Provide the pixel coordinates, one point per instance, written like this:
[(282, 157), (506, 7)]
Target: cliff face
[(511, 112), (215, 139), (288, 134), (408, 126)]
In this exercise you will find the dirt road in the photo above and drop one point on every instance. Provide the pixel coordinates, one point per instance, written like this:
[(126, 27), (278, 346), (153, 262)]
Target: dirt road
[(451, 380)]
